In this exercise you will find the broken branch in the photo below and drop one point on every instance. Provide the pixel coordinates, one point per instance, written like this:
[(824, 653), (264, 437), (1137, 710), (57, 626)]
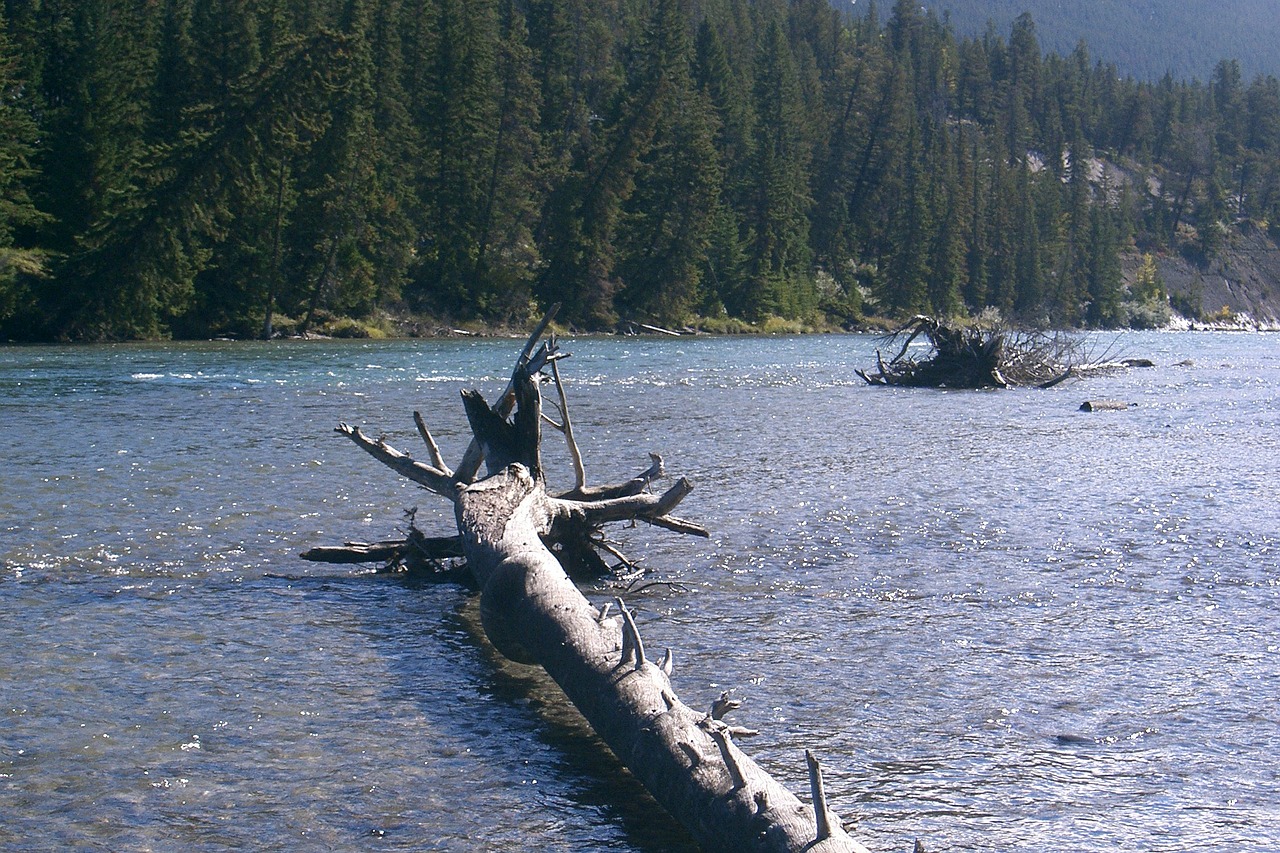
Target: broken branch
[(424, 475)]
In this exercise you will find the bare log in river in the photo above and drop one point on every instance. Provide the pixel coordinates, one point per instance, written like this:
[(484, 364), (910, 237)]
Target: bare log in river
[(532, 612)]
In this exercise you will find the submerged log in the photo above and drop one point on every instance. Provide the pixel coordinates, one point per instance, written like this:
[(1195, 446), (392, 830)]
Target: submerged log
[(417, 552), (532, 612)]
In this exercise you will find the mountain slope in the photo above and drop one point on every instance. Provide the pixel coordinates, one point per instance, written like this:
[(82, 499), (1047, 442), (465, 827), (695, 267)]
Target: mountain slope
[(1143, 38)]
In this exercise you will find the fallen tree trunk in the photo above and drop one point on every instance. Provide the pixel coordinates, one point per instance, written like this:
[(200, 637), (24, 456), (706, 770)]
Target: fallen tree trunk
[(532, 612), (416, 552)]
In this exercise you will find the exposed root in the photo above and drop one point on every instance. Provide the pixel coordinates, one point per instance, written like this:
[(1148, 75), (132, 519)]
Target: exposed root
[(977, 358)]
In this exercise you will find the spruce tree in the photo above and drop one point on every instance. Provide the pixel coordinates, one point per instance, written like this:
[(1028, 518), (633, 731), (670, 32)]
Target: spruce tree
[(779, 204), (584, 210), (910, 231), (96, 169), (507, 255), (948, 207), (973, 179), (717, 78), (333, 237), (1073, 288), (835, 231), (21, 260), (1103, 269), (1259, 191), (667, 223), (458, 115)]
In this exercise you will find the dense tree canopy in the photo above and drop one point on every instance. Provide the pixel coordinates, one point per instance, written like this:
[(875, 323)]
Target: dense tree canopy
[(219, 167)]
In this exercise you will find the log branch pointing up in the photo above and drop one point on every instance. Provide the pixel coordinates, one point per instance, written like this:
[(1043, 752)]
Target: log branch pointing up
[(424, 475)]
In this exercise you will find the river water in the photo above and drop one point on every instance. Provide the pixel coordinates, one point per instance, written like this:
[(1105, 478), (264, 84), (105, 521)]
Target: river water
[(1002, 623)]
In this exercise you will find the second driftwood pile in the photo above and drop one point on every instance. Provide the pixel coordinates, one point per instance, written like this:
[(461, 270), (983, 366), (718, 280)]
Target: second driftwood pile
[(516, 537), (971, 357)]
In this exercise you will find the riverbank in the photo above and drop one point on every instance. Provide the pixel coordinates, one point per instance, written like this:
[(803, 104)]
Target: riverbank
[(408, 326)]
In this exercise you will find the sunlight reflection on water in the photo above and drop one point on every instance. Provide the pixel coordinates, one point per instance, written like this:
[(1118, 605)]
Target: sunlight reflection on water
[(1002, 623)]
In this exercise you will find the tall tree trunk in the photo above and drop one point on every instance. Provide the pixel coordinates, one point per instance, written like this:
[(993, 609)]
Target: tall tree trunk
[(277, 230)]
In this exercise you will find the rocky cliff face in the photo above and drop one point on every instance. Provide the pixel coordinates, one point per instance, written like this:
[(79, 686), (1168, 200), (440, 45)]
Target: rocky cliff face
[(1238, 288)]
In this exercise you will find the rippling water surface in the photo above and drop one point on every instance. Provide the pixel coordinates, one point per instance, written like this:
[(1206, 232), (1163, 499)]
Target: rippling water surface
[(1003, 624)]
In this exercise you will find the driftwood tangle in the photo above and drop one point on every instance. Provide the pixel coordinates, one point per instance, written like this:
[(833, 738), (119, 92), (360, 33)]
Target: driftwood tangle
[(532, 612), (972, 358)]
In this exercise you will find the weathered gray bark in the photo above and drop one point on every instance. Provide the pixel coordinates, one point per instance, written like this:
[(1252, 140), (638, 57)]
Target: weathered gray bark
[(532, 612)]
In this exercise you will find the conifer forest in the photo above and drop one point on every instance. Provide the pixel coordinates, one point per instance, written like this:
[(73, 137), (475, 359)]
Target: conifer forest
[(199, 168)]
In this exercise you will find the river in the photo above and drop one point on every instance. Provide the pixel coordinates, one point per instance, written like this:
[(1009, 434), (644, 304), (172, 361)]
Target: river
[(1002, 623)]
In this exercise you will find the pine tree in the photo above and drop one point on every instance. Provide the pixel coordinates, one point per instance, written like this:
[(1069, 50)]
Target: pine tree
[(225, 46), (1072, 291), (971, 177), (173, 93), (666, 228), (854, 92), (247, 204), (910, 232), (779, 205), (1029, 301), (1259, 191), (1103, 269), (334, 241), (1023, 89), (585, 210), (716, 76), (1005, 219), (21, 260), (148, 264), (507, 255), (727, 274), (222, 166), (396, 210), (574, 61), (948, 205), (96, 167)]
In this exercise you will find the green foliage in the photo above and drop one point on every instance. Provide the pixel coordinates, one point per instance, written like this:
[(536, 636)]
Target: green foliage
[(222, 167), (1148, 304), (20, 263), (1147, 285)]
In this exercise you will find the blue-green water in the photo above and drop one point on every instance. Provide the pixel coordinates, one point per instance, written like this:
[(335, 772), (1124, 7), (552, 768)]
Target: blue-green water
[(1003, 624)]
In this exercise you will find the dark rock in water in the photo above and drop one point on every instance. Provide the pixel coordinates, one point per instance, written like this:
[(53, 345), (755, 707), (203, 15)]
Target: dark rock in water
[(1069, 739)]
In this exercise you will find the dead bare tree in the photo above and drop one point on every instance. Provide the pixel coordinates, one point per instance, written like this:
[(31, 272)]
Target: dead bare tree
[(510, 531)]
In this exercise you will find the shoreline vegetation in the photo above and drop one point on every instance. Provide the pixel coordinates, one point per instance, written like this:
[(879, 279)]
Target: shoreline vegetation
[(197, 169), (390, 326)]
